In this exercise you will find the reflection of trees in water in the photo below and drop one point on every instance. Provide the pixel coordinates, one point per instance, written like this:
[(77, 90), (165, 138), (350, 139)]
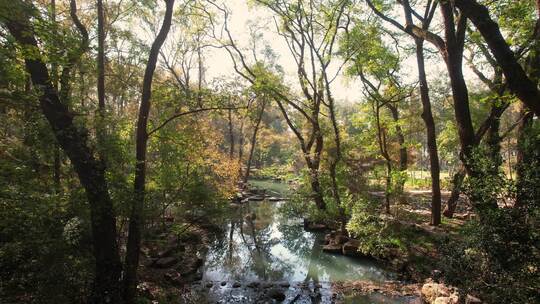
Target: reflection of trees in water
[(246, 246), (244, 250)]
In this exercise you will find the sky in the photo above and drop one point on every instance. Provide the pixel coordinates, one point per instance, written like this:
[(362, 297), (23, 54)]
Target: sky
[(218, 64), (344, 88)]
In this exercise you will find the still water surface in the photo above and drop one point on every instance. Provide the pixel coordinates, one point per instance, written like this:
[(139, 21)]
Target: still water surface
[(261, 244)]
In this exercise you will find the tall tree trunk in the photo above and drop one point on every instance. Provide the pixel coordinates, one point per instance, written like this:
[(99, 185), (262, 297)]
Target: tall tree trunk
[(523, 157), (73, 140), (101, 58), (388, 185), (253, 142), (241, 149), (403, 157), (136, 218), (336, 155), (454, 62), (231, 135), (457, 182), (518, 81), (383, 149), (427, 116), (493, 143), (492, 121), (315, 168), (318, 197), (54, 72)]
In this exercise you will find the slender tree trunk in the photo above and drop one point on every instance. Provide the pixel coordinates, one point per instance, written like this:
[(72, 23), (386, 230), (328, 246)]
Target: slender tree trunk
[(427, 116), (493, 142), (101, 58), (315, 168), (254, 142), (492, 122), (523, 157), (231, 135), (526, 157), (336, 156), (401, 138), (318, 197), (54, 72), (136, 218), (518, 81), (454, 62), (241, 149), (457, 182), (388, 185), (72, 139), (402, 148)]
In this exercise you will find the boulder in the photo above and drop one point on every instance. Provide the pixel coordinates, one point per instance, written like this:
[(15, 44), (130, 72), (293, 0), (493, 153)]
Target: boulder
[(328, 237), (446, 300), (254, 284), (165, 262), (236, 284), (285, 284), (332, 248), (436, 293), (276, 294), (341, 239), (311, 226), (350, 248)]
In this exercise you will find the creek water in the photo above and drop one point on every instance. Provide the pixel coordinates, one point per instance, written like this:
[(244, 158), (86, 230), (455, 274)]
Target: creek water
[(263, 252)]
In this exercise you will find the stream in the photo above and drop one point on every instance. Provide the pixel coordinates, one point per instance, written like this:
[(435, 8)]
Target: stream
[(265, 257)]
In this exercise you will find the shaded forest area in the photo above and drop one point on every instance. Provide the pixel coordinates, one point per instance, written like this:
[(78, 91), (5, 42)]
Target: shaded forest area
[(407, 132)]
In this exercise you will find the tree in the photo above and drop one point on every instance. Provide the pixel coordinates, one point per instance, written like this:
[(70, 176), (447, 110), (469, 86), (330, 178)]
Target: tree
[(518, 81), (136, 218), (73, 141)]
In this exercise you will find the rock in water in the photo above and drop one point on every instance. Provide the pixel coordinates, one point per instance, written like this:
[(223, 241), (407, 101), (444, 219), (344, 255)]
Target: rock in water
[(276, 294), (331, 248), (253, 284), (236, 284), (285, 284), (350, 248)]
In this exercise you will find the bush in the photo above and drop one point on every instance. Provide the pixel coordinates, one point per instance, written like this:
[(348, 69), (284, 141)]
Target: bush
[(497, 255)]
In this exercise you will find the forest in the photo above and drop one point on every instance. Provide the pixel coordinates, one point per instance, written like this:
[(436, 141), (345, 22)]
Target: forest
[(269, 151)]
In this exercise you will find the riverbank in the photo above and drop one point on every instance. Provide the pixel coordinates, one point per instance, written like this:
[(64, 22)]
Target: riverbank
[(260, 254)]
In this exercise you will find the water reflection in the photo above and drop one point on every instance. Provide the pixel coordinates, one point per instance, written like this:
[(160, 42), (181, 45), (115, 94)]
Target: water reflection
[(260, 244)]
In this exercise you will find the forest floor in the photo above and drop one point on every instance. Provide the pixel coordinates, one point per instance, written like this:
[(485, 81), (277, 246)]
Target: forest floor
[(171, 259), (416, 257)]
